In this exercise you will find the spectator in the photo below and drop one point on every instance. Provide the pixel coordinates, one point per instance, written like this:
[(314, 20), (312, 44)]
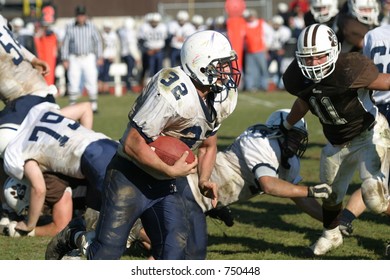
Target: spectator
[(258, 36), (178, 31), (81, 54), (110, 53), (47, 48), (302, 5), (129, 51)]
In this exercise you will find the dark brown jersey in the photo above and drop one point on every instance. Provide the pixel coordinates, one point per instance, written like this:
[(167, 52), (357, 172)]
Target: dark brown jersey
[(340, 101)]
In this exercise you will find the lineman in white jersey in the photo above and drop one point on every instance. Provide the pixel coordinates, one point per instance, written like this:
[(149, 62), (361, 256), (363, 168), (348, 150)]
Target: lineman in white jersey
[(261, 160), (187, 102), (48, 141)]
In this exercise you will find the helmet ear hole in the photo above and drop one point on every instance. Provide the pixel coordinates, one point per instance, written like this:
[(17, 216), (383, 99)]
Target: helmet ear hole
[(17, 194), (202, 70)]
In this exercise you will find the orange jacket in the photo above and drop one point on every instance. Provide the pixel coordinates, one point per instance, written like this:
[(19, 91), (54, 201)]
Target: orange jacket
[(254, 38)]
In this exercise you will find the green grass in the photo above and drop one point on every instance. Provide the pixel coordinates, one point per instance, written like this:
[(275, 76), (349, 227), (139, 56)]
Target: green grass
[(265, 227)]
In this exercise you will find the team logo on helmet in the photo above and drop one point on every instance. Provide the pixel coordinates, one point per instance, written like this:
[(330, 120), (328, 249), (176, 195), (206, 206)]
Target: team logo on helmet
[(332, 38)]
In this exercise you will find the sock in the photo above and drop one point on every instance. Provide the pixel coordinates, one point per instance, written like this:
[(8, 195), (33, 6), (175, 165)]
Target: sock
[(347, 216)]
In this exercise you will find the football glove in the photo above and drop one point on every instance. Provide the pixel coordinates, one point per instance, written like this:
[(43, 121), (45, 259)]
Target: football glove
[(319, 191)]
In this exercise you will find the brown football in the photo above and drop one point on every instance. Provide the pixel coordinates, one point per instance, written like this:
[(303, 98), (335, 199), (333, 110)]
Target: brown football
[(170, 149)]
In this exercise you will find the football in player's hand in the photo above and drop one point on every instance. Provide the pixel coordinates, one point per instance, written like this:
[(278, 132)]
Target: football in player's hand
[(170, 149)]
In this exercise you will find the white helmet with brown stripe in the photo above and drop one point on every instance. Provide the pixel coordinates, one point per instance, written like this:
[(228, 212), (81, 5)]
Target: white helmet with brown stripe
[(316, 41)]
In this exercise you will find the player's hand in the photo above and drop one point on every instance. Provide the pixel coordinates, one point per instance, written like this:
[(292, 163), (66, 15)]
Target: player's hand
[(41, 65), (319, 191), (18, 229), (210, 190), (181, 168)]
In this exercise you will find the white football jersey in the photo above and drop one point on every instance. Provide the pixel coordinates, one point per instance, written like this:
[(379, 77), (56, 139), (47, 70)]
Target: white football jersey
[(237, 169), (154, 38), (17, 76), (170, 105), (55, 142), (179, 33), (377, 47)]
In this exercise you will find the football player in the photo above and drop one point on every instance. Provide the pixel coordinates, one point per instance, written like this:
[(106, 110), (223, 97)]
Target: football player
[(261, 160), (18, 77), (355, 19), (376, 47), (335, 87), (46, 141), (322, 11), (58, 205), (187, 102)]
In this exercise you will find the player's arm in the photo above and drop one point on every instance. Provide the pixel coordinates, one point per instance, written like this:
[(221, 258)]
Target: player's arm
[(207, 155), (136, 147), (61, 213), (298, 111), (37, 197), (81, 112), (382, 82)]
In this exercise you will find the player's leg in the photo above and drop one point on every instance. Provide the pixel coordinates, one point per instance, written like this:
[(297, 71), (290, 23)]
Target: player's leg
[(91, 80), (74, 79), (337, 171)]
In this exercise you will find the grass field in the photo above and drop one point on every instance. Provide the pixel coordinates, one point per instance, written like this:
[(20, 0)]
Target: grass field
[(266, 228)]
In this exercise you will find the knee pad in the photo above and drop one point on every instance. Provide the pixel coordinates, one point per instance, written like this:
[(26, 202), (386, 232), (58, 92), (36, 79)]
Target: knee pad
[(375, 195)]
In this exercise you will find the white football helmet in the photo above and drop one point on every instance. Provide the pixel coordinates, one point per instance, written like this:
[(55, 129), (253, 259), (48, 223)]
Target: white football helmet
[(317, 40), (208, 58), (17, 194), (365, 11), (297, 137), (8, 131), (182, 16), (324, 10)]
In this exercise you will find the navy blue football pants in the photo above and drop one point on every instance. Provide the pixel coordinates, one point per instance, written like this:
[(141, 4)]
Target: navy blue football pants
[(168, 210)]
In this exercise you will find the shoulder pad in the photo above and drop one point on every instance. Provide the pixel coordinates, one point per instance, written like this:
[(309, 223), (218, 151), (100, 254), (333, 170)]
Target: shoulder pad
[(173, 83)]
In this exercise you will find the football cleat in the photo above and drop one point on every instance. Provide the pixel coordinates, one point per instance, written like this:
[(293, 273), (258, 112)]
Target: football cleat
[(346, 228), (62, 244), (134, 233), (329, 240), (222, 213)]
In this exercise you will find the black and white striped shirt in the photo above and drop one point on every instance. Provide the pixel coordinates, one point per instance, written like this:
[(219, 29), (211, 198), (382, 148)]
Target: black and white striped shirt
[(81, 40)]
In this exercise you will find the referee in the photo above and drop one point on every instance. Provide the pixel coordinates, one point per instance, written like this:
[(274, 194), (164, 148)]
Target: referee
[(81, 51)]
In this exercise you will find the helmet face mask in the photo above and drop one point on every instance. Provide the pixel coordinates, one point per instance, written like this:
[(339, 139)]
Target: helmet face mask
[(324, 10), (365, 11), (207, 57), (296, 140), (317, 41)]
